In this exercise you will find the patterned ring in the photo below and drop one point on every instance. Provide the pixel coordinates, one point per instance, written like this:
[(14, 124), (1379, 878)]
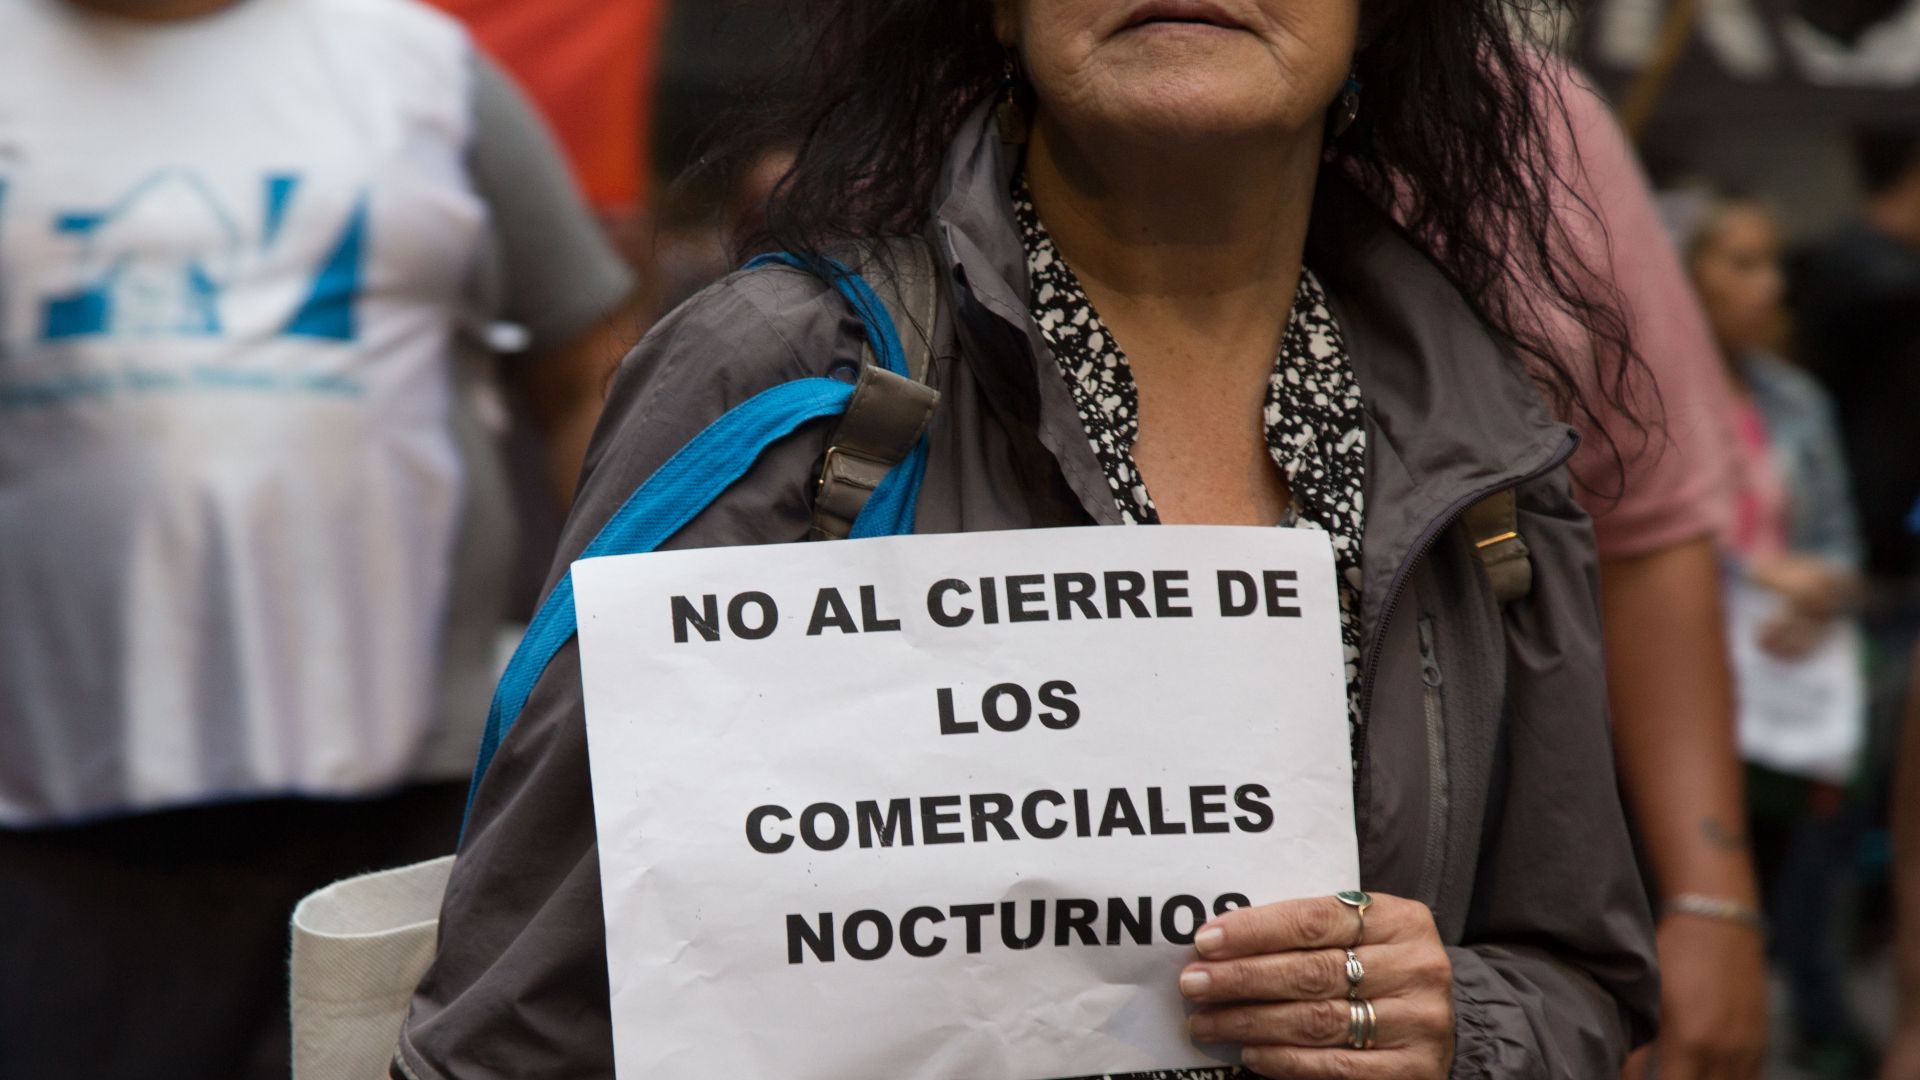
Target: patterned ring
[(1355, 972)]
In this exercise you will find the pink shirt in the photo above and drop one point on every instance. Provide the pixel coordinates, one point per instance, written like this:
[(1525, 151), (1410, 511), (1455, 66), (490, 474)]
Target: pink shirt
[(1677, 484), (1760, 505)]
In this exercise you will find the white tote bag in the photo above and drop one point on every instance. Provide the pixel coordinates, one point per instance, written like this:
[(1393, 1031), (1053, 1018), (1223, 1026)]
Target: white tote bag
[(359, 947)]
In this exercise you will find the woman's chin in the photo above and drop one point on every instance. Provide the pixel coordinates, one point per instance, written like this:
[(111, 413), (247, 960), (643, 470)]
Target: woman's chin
[(1179, 101), (1191, 120)]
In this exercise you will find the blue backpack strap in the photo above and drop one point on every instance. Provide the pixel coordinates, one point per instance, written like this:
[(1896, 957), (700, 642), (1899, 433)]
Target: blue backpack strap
[(882, 337), (695, 476), (889, 413)]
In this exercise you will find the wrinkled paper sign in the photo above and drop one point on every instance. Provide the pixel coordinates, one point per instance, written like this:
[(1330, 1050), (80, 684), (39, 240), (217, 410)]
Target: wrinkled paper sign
[(941, 807), (1805, 716)]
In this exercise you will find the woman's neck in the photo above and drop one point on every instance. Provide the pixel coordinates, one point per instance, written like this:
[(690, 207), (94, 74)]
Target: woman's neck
[(1192, 258), (1207, 243), (155, 10)]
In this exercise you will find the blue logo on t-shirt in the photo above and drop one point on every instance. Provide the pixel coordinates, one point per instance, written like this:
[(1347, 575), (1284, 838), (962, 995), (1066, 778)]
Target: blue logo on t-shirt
[(157, 261)]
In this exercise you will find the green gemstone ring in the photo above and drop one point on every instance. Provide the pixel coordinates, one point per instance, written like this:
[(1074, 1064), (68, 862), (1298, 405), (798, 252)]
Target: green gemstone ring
[(1359, 902)]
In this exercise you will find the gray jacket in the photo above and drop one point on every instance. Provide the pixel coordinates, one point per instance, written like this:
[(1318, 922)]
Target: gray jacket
[(1485, 786)]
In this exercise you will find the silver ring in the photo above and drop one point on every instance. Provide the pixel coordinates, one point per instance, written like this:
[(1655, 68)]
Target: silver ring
[(1359, 902), (1355, 972), (1361, 1024)]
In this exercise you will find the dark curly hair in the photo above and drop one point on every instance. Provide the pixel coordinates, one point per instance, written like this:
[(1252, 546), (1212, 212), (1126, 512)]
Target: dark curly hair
[(1456, 137)]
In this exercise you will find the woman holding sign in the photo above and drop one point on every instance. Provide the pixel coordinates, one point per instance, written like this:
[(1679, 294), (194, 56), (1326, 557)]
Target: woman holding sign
[(1171, 291)]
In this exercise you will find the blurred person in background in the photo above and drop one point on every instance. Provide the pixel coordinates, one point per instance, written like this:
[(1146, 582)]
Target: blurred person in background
[(1857, 305), (1856, 297), (706, 217), (1794, 550), (1656, 492), (591, 68), (253, 542), (1880, 256), (721, 56), (1903, 1052)]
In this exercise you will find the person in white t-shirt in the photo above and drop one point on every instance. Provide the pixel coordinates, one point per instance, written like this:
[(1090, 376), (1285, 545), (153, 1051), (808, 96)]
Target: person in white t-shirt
[(254, 540)]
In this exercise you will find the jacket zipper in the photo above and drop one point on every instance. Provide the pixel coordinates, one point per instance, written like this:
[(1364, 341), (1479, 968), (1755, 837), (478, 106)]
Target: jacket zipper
[(1423, 544), (1439, 794)]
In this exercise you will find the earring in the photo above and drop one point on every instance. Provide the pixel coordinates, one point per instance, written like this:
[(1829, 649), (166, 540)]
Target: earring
[(1008, 114), (1347, 106)]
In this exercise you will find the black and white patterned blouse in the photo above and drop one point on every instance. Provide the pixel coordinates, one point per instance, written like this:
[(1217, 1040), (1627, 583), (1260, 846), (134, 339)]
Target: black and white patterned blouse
[(1315, 432), (1315, 429)]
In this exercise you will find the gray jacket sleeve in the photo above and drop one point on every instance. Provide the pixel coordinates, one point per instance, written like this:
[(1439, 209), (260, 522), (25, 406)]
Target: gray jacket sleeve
[(1555, 973), (519, 986), (556, 273)]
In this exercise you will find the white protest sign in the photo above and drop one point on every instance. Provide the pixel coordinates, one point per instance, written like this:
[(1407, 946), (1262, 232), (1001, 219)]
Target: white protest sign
[(942, 807), (1805, 716)]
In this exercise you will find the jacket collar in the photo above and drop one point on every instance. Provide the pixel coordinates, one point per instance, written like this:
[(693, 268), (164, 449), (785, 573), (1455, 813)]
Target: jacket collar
[(1451, 412), (975, 232)]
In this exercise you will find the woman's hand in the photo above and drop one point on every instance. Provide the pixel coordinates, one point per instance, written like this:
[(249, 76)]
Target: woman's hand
[(1713, 991), (1816, 589), (1274, 979), (1792, 636)]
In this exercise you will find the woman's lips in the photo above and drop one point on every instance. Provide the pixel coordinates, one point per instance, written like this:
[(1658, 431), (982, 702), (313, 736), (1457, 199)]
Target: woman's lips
[(1202, 13)]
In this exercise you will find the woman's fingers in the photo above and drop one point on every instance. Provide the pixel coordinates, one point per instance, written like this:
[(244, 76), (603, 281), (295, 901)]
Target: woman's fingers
[(1316, 975), (1275, 979), (1313, 923), (1294, 1023), (1397, 1023)]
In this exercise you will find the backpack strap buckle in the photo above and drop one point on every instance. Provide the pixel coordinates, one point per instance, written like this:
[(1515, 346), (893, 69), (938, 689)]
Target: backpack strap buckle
[(1494, 525), (888, 413), (885, 418)]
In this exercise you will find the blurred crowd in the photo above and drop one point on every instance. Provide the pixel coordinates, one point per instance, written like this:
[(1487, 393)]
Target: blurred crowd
[(337, 183)]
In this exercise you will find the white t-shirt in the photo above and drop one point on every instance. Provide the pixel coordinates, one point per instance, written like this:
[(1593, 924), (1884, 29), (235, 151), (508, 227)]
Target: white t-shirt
[(239, 258)]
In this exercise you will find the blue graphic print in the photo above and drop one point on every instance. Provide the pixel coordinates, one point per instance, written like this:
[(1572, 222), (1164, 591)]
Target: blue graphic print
[(280, 188), (329, 309), (136, 286), (131, 290)]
